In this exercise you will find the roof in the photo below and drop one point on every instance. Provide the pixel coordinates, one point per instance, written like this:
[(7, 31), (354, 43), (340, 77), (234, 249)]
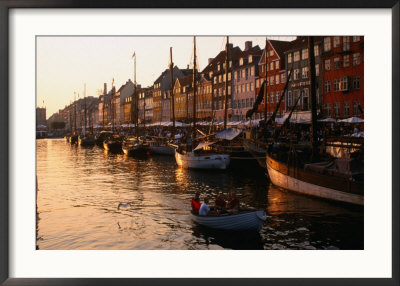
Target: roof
[(252, 51), (301, 42), (221, 58), (186, 80)]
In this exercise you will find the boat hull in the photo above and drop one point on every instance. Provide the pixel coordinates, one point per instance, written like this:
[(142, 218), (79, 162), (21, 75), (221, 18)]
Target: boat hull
[(191, 161), (114, 147), (162, 150), (312, 184), (252, 220)]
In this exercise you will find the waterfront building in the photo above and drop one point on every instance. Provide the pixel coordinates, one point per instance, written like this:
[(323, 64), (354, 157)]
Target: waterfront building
[(299, 89), (144, 94), (343, 76), (276, 71), (41, 116), (122, 93), (215, 71), (244, 76), (182, 87), (161, 94), (204, 99)]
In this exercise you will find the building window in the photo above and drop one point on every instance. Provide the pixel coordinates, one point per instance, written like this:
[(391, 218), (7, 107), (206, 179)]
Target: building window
[(304, 72), (346, 61), (346, 43), (289, 58), (277, 79), (356, 59), (336, 42), (356, 108), (317, 69), (241, 61), (276, 65), (289, 99), (316, 50), (229, 76), (327, 44), (336, 85), (283, 78), (346, 109), (327, 65), (336, 107), (271, 80), (327, 109), (296, 74), (251, 86), (297, 56), (327, 85), (344, 83), (271, 53), (304, 54), (271, 66), (252, 71), (247, 102), (356, 39), (250, 58), (336, 63), (356, 82)]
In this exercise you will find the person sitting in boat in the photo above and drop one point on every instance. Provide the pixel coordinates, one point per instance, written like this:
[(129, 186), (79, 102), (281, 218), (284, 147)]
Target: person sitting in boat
[(233, 203), (196, 203), (204, 209), (220, 203)]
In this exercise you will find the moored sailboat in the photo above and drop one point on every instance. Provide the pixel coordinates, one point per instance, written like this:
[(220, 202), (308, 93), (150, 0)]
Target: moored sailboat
[(193, 158), (338, 180)]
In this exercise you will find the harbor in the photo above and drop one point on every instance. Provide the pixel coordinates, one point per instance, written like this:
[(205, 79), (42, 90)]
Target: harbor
[(276, 169), (80, 190)]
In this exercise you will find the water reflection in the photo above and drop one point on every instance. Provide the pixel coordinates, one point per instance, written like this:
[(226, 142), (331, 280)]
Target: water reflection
[(80, 190)]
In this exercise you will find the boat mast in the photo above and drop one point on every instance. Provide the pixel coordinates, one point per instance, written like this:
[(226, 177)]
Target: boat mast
[(266, 80), (171, 70), (112, 107), (314, 139), (136, 101), (194, 92), (226, 81), (84, 96), (74, 112)]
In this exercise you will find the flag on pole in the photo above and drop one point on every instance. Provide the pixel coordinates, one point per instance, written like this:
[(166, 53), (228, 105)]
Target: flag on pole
[(134, 54)]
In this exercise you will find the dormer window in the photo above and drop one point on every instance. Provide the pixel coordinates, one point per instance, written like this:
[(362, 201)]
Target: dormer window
[(241, 61), (250, 59)]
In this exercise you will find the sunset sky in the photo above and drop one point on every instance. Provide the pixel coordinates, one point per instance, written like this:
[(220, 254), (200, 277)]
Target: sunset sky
[(65, 64)]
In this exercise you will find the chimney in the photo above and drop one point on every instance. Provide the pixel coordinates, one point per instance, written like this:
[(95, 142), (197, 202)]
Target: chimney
[(105, 88), (248, 45), (210, 60), (230, 46), (187, 67)]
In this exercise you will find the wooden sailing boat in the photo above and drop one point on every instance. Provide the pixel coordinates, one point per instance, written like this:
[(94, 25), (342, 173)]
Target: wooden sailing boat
[(134, 146), (85, 139), (339, 180), (73, 139), (197, 157), (160, 146)]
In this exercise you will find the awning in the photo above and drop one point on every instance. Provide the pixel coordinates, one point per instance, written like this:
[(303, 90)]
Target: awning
[(228, 134), (352, 120), (202, 145)]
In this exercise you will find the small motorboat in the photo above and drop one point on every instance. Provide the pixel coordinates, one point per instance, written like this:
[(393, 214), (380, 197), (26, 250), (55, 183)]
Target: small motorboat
[(243, 220), (113, 144), (86, 140), (134, 147)]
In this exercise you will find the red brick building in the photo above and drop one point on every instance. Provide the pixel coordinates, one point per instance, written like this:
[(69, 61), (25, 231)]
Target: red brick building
[(276, 76), (342, 63)]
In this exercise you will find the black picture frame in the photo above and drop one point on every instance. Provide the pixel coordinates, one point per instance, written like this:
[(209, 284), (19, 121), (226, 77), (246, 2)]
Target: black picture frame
[(5, 7)]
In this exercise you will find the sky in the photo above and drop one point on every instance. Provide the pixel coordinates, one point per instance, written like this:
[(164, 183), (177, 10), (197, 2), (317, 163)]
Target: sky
[(66, 64)]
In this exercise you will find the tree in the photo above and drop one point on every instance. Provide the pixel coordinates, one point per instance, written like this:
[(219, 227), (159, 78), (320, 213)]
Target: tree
[(57, 125)]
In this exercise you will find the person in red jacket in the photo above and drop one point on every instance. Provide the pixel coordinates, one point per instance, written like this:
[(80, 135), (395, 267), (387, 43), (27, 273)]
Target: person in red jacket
[(196, 203)]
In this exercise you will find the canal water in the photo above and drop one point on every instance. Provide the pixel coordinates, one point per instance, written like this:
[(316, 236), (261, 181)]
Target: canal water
[(80, 190)]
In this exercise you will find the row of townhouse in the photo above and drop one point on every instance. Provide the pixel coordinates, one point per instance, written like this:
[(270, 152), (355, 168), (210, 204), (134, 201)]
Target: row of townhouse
[(339, 65)]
